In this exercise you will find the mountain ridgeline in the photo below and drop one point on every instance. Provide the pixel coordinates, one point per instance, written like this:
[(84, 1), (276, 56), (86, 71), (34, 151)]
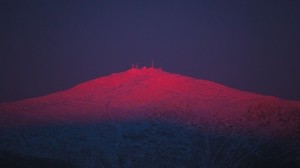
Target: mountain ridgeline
[(151, 118)]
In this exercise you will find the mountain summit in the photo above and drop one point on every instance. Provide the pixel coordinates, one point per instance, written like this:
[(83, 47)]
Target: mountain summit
[(150, 93), (150, 118)]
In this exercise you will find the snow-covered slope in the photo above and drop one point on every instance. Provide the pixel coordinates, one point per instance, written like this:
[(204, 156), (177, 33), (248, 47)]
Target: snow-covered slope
[(150, 118), (149, 93)]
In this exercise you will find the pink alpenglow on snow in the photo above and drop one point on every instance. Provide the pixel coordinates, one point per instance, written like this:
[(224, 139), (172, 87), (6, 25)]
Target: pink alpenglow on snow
[(150, 93)]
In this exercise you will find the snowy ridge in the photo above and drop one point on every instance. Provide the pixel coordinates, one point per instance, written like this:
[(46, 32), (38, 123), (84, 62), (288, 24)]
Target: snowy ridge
[(150, 118), (152, 93)]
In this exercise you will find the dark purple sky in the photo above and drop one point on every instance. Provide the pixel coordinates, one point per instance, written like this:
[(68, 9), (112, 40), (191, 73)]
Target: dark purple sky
[(48, 46)]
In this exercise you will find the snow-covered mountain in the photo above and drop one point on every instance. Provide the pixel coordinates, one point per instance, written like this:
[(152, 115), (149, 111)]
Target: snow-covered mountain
[(152, 93), (130, 117)]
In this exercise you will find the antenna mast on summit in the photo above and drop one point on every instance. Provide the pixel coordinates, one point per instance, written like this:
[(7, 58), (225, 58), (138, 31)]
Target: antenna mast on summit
[(152, 64)]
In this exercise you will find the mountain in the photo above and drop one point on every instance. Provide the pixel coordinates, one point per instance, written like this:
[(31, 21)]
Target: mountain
[(152, 93), (150, 118)]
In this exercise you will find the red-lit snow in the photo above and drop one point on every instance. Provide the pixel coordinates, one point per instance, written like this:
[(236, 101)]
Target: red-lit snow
[(151, 93)]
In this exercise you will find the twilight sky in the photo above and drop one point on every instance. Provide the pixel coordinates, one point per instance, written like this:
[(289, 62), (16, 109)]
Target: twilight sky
[(252, 45)]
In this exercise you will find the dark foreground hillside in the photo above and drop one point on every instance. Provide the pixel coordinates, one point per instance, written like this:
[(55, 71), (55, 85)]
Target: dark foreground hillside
[(144, 144)]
